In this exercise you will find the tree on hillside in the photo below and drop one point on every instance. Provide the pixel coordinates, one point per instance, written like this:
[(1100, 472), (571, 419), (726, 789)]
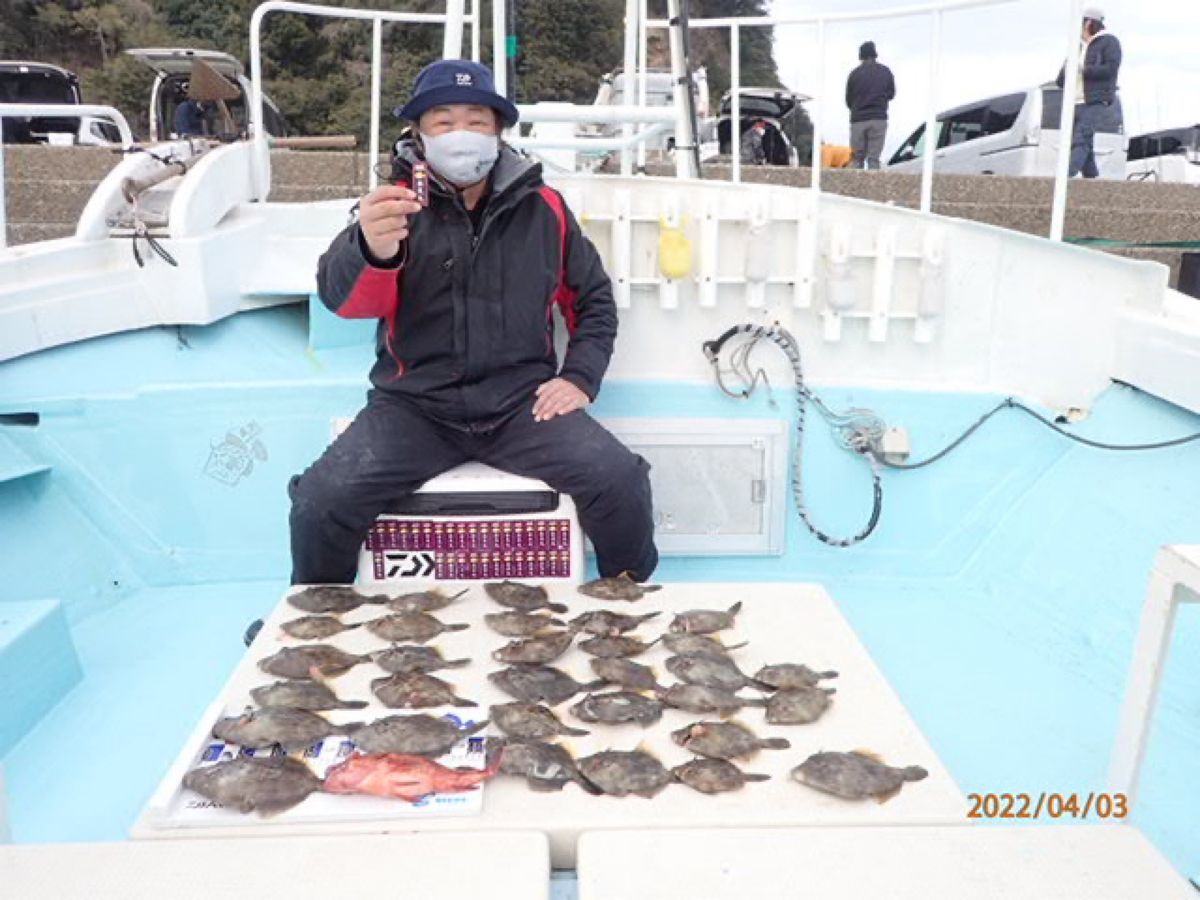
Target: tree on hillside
[(567, 46), (710, 46)]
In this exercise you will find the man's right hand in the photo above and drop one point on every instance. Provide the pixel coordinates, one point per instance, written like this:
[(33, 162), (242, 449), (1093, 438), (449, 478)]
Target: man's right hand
[(383, 217)]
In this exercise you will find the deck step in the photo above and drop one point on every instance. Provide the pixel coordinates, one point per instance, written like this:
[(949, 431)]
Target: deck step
[(38, 665), (16, 464)]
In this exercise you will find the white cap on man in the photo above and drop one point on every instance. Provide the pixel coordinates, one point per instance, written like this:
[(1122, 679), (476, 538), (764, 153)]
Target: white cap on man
[(1093, 12)]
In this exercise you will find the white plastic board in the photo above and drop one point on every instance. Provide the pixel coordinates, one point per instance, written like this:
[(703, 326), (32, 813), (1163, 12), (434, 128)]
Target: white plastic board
[(1028, 862), (498, 865), (783, 623)]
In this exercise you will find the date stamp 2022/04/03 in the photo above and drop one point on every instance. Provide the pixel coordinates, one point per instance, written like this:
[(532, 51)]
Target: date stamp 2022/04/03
[(1047, 805)]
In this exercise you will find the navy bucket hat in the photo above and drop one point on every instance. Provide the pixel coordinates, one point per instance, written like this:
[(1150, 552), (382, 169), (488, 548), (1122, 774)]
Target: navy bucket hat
[(456, 81)]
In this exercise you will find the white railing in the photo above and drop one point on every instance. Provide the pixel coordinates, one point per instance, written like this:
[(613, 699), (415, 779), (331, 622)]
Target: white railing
[(1174, 580), (452, 20), (935, 12), (54, 111)]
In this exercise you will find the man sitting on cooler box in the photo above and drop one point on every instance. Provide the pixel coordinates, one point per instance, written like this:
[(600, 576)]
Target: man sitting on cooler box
[(463, 289)]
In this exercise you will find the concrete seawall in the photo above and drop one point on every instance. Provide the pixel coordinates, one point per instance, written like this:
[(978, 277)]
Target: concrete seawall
[(47, 188)]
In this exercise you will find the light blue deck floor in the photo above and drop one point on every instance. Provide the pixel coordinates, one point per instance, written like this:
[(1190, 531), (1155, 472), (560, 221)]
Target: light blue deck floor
[(1000, 596)]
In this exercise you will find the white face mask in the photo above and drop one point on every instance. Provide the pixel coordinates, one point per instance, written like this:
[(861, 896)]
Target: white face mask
[(462, 157)]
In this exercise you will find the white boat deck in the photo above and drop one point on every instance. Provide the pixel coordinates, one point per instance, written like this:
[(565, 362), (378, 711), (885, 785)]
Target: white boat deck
[(783, 623), (1096, 862)]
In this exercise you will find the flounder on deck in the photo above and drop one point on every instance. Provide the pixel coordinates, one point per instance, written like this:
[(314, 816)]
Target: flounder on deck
[(266, 785)]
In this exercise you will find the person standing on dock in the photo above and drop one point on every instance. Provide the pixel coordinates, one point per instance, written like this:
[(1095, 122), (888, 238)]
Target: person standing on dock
[(869, 90), (1097, 107), (462, 259)]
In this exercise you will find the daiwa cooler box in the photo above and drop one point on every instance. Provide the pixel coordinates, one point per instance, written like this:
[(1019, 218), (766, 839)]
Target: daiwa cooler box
[(475, 523)]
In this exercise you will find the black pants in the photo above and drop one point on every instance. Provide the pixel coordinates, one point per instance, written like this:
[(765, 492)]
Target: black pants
[(392, 448)]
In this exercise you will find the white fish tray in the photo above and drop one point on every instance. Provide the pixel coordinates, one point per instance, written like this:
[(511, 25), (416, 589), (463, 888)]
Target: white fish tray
[(783, 622)]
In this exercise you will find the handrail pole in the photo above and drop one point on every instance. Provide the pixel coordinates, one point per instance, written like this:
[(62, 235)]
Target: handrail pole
[(735, 110), (476, 30), (630, 63), (931, 139), (643, 51), (818, 105), (1066, 126), (376, 89), (452, 36), (814, 155), (499, 47)]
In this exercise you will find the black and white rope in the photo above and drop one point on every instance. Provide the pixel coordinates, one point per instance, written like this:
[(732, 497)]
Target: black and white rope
[(857, 430)]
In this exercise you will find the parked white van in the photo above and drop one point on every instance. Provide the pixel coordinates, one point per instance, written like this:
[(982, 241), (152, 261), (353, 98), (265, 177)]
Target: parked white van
[(1172, 155), (173, 68), (1012, 134)]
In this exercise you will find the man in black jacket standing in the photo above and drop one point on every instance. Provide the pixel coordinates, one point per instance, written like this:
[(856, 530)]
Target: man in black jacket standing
[(869, 89), (1097, 107), (466, 368)]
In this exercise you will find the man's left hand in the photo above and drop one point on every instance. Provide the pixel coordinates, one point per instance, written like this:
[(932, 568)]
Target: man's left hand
[(557, 397)]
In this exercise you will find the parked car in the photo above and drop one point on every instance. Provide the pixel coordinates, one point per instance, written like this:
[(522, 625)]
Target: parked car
[(1010, 134), (1170, 155), (783, 112), (173, 70), (34, 82)]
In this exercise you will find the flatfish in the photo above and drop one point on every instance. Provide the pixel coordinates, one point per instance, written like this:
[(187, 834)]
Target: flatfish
[(290, 728), (416, 690), (798, 706), (310, 661), (420, 734), (699, 699), (606, 623), (724, 740), (617, 707), (417, 627), (626, 673), (714, 776), (537, 650), (720, 673), (545, 767), (620, 773), (266, 785), (404, 659), (529, 721), (423, 601), (618, 647), (302, 693), (704, 621), (315, 628), (519, 624), (521, 597), (620, 587), (786, 676), (855, 775), (331, 598), (684, 644), (539, 684)]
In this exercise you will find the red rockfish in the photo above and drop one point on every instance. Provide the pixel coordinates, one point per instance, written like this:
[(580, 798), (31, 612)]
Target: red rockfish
[(402, 776)]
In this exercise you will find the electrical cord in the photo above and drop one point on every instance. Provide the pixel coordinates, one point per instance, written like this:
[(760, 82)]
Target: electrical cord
[(860, 430)]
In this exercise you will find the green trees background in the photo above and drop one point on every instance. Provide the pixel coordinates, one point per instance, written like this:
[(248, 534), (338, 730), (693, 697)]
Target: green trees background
[(318, 70)]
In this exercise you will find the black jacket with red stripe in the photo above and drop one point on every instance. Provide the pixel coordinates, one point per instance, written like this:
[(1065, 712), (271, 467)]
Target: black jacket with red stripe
[(465, 325)]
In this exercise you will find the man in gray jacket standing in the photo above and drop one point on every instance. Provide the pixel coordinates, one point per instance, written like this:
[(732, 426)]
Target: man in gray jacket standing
[(869, 89), (1097, 107)]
